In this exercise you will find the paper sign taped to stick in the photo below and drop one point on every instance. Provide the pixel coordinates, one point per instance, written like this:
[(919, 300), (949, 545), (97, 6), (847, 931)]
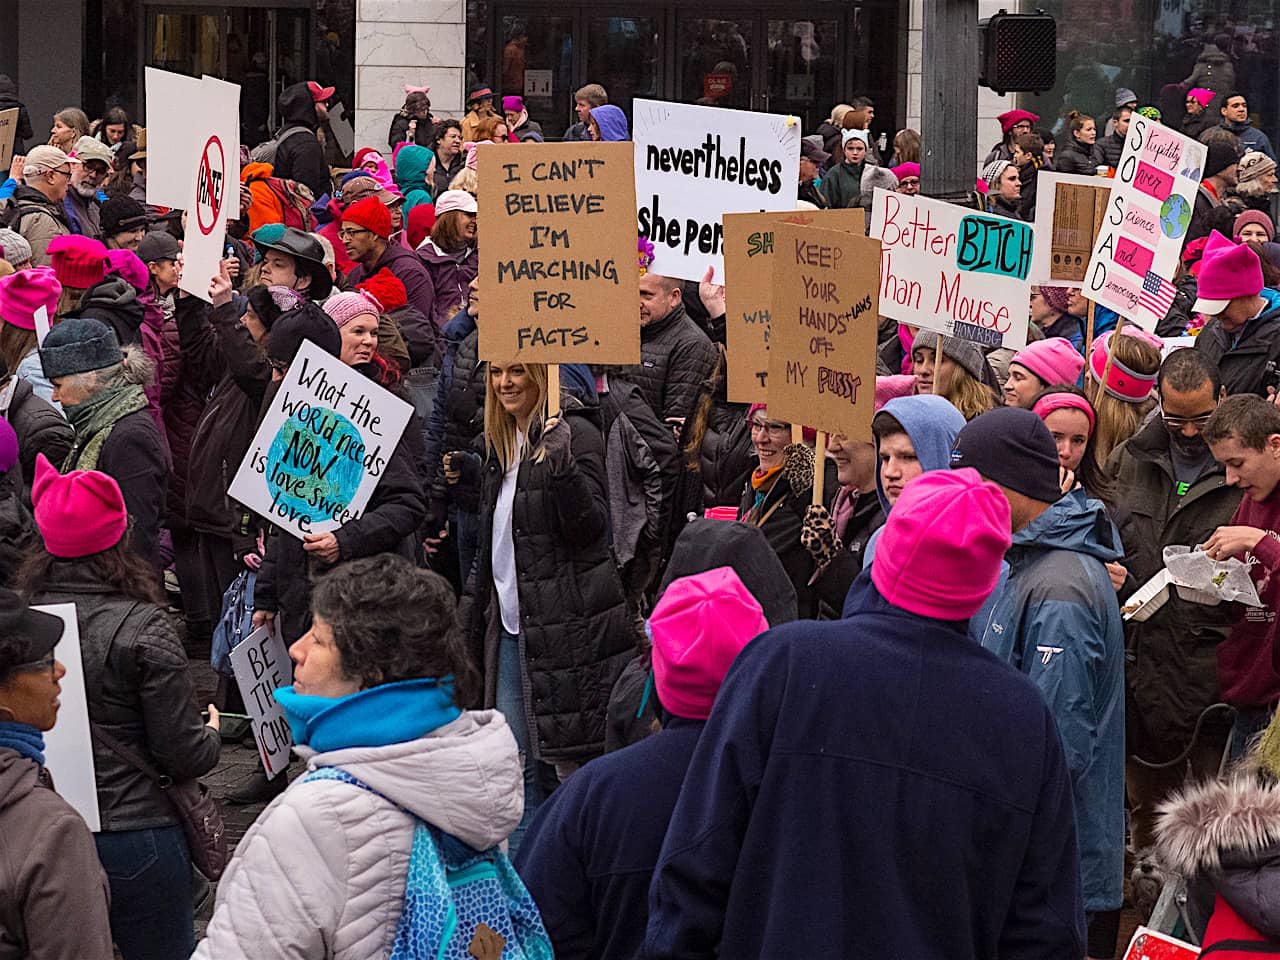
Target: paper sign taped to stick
[(262, 665), (695, 164), (1152, 198), (68, 747), (1069, 212), (822, 350), (749, 251), (322, 447), (8, 134), (558, 265), (41, 318), (1147, 944), (953, 270)]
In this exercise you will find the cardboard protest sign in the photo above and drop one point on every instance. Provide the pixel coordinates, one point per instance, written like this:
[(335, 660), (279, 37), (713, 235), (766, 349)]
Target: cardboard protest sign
[(822, 350), (695, 164), (322, 446), (1152, 198), (1069, 212), (8, 134), (749, 250), (558, 263), (953, 270), (1147, 944), (68, 747), (262, 665)]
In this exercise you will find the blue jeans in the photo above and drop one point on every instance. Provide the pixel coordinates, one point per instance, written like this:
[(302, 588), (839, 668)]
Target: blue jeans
[(465, 525), (511, 705), (152, 913)]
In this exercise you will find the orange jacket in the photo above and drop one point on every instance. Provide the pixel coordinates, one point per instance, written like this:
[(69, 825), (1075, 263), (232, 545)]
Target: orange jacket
[(264, 206)]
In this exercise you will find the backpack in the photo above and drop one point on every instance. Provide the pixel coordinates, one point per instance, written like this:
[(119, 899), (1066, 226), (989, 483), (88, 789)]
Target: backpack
[(266, 152), (12, 215), (488, 912), (295, 200)]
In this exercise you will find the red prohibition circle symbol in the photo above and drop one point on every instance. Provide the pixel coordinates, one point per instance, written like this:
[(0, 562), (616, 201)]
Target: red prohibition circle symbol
[(210, 186)]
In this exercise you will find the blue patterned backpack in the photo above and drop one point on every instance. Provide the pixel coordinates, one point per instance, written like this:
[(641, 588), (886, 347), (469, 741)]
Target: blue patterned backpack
[(460, 903)]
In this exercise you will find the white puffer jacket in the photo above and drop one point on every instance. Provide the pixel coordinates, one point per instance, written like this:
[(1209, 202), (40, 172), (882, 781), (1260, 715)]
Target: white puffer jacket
[(321, 874)]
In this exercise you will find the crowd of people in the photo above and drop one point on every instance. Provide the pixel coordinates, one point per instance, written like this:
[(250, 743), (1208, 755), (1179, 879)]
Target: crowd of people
[(596, 674)]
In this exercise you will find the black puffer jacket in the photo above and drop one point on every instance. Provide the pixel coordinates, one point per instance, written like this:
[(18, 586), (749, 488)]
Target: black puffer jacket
[(115, 302), (1076, 157), (1171, 662), (457, 419), (301, 157), (1109, 148), (576, 633), (675, 358), (9, 101), (399, 132), (140, 691), (40, 429)]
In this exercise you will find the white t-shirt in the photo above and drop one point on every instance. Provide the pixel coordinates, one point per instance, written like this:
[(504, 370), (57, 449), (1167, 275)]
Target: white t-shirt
[(504, 548)]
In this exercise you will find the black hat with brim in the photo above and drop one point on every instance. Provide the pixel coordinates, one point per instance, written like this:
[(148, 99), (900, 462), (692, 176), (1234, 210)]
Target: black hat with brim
[(26, 635), (306, 252)]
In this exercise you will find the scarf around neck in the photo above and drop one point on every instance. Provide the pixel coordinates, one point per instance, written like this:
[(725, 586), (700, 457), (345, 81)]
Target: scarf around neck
[(23, 739), (93, 419), (377, 717)]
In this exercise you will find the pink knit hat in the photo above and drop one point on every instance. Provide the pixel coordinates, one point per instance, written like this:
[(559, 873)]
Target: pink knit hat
[(345, 307), (1227, 270), (1122, 382), (698, 627), (79, 514), (1053, 360), (1202, 95), (1064, 401), (130, 267), (78, 261), (24, 292), (940, 553)]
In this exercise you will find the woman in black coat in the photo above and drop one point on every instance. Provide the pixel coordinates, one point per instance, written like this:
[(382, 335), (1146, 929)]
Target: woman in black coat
[(1079, 153), (550, 621)]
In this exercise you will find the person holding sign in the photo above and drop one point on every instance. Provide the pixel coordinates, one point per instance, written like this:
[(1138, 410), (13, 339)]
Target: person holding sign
[(140, 696), (50, 869), (550, 613), (390, 844)]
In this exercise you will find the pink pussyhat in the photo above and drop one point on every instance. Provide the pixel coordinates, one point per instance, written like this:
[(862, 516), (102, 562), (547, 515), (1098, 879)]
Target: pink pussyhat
[(25, 292), (79, 514), (1053, 360), (1122, 382), (940, 553), (698, 627), (1227, 270), (130, 268)]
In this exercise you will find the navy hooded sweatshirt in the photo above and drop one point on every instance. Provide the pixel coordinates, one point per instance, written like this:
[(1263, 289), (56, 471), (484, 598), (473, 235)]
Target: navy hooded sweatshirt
[(881, 787)]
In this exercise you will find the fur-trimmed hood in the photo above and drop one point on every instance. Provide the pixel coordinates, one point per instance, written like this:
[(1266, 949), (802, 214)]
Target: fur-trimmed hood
[(1235, 818)]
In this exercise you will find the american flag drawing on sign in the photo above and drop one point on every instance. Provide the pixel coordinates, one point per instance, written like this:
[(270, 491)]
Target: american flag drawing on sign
[(1157, 294)]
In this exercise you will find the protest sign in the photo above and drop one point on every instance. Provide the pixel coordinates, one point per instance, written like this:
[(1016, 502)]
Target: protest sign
[(8, 134), (41, 318), (558, 264), (68, 747), (1147, 944), (322, 447), (952, 269), (1069, 212), (1152, 197), (749, 250), (172, 128), (262, 665), (822, 350), (695, 164)]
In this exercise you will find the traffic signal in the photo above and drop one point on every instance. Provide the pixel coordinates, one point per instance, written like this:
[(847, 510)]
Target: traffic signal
[(1019, 52)]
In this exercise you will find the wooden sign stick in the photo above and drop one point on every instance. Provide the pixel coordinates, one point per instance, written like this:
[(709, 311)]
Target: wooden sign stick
[(937, 365), (553, 390), (797, 433), (1088, 336), (819, 465)]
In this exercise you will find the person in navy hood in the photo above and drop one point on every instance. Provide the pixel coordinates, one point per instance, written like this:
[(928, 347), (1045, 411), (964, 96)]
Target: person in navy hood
[(1058, 621), (845, 798)]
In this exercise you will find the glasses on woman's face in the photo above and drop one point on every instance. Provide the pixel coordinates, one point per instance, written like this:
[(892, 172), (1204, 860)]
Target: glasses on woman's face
[(43, 665), (772, 426)]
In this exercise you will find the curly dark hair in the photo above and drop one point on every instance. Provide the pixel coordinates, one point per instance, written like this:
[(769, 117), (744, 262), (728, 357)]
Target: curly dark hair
[(120, 567), (393, 621)]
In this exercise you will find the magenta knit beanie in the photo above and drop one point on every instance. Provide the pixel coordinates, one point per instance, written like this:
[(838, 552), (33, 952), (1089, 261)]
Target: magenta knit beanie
[(1053, 360), (79, 514), (940, 552), (78, 261), (24, 292), (130, 267)]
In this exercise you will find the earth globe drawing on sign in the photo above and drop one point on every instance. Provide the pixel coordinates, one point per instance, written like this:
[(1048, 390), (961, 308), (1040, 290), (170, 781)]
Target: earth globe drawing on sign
[(312, 475), (1175, 216)]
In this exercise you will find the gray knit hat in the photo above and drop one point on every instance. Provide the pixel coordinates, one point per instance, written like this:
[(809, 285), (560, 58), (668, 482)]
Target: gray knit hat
[(968, 355), (14, 247), (1125, 95), (78, 345)]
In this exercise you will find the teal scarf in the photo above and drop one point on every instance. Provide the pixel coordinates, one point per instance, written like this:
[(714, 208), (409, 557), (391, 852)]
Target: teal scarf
[(377, 717)]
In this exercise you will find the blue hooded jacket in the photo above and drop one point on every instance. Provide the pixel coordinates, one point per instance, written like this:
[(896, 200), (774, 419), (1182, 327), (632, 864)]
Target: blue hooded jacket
[(611, 121), (1058, 621)]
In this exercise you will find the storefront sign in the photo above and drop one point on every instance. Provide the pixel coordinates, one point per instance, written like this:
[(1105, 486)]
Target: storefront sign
[(1152, 198), (717, 85), (558, 263), (1069, 212), (8, 133), (68, 747), (822, 357), (322, 448), (953, 270), (750, 247), (695, 164), (262, 665)]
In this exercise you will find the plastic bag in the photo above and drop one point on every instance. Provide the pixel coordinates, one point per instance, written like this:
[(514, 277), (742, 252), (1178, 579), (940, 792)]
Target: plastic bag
[(1215, 580)]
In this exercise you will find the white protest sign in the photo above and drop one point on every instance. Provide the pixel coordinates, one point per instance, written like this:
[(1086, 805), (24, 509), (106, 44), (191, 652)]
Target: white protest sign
[(172, 127), (322, 447), (41, 317), (695, 164), (952, 269), (262, 665), (68, 747), (1141, 238)]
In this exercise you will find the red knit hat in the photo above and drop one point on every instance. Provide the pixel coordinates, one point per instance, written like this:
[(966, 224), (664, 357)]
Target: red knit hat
[(79, 514), (385, 287), (418, 227), (370, 214), (78, 261)]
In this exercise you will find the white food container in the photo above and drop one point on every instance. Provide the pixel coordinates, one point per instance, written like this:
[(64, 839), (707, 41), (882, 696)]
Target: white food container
[(1153, 595)]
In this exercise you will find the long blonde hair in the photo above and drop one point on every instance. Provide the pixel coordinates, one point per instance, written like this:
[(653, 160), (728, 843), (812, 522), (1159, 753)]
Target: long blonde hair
[(967, 394), (500, 426), (1118, 420)]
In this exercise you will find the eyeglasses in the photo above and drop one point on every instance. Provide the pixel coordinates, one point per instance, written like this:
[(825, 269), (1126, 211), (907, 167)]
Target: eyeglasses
[(346, 234), (909, 182), (44, 665), (1180, 423), (65, 173), (773, 426)]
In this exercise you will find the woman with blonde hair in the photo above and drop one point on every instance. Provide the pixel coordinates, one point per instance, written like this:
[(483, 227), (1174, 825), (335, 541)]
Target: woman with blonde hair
[(961, 374), (69, 125), (1122, 392), (550, 614)]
